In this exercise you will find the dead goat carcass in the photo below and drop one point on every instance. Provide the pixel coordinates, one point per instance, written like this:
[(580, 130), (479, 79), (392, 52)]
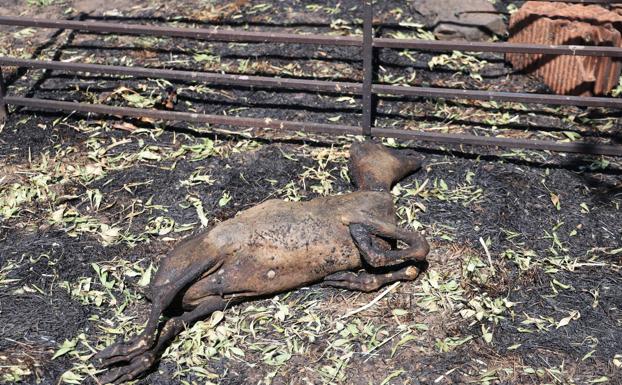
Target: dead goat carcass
[(347, 241)]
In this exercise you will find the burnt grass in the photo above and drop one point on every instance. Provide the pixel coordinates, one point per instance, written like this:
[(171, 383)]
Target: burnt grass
[(562, 211), (516, 198)]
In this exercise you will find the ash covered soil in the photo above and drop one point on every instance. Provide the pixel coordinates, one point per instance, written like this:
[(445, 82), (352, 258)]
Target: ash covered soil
[(524, 276)]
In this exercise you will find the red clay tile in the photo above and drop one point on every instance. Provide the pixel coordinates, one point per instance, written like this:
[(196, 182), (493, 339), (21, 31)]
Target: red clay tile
[(565, 24)]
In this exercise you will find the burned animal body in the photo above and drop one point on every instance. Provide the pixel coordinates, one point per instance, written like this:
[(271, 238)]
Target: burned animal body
[(279, 246)]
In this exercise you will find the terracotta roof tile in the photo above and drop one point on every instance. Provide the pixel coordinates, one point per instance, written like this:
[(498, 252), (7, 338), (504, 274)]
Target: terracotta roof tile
[(565, 24)]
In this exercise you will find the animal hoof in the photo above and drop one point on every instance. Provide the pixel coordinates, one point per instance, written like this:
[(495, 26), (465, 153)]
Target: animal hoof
[(135, 368), (121, 352), (111, 355)]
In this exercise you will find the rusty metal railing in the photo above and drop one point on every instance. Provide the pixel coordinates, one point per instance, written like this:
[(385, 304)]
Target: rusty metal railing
[(367, 89)]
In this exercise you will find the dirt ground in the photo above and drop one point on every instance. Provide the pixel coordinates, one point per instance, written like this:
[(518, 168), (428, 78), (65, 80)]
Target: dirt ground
[(524, 279)]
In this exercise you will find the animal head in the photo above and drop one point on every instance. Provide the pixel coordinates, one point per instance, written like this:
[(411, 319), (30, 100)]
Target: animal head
[(376, 167)]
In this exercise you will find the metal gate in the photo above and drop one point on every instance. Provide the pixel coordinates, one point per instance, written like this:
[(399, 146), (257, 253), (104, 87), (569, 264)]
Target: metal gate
[(367, 88)]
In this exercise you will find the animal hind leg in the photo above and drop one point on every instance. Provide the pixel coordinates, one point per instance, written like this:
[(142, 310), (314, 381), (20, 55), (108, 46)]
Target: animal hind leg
[(363, 235), (141, 363), (162, 296), (366, 282)]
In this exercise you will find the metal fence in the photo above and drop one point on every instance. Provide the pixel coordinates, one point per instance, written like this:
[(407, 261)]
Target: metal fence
[(367, 89)]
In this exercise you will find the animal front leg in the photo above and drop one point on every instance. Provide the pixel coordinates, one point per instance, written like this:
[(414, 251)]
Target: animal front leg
[(366, 282), (163, 295), (363, 235), (141, 363)]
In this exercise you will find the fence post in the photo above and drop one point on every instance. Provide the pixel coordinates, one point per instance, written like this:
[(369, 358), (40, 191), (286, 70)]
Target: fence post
[(368, 69), (4, 113)]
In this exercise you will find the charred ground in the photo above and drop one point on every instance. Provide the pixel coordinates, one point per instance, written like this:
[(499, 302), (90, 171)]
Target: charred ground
[(524, 278)]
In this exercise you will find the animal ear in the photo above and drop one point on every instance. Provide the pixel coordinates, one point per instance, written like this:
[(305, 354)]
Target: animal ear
[(410, 160)]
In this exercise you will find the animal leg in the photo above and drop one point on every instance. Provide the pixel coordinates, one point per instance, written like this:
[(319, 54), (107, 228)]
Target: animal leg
[(141, 363), (162, 296), (363, 235), (366, 282)]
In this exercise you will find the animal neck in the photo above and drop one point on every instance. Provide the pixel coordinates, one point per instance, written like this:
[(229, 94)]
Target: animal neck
[(369, 183)]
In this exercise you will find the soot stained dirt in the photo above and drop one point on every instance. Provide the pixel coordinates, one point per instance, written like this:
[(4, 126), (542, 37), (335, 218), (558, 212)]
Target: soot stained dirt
[(517, 198), (34, 309), (599, 314), (514, 196), (552, 263), (29, 134), (248, 178)]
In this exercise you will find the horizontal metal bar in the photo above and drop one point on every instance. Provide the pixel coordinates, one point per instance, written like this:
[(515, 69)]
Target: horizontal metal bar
[(319, 85), (273, 37), (457, 139), (193, 33), (518, 97), (439, 45), (183, 116), (205, 77)]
